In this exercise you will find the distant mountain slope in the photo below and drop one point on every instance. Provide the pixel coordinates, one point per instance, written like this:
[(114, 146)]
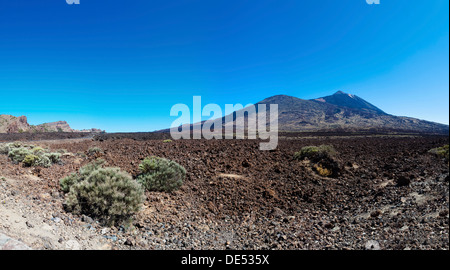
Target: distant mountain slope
[(348, 113), (340, 111), (13, 124), (350, 101)]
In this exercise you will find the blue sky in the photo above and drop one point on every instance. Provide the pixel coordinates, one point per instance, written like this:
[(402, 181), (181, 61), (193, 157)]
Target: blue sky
[(122, 65)]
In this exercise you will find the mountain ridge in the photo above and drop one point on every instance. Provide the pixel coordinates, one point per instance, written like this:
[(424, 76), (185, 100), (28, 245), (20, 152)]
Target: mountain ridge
[(343, 99), (13, 124), (340, 111)]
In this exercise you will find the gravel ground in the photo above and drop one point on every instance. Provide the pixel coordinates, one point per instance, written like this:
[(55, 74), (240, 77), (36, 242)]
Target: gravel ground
[(390, 194)]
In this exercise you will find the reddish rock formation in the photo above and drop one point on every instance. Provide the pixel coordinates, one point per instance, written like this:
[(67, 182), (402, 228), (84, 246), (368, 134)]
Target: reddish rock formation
[(12, 124)]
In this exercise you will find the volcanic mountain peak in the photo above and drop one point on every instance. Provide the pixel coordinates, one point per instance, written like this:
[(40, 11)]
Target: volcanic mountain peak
[(343, 99), (341, 111)]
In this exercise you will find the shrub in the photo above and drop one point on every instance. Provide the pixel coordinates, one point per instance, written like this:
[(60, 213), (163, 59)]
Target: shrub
[(323, 157), (442, 152), (160, 174), (89, 168), (54, 157), (69, 181), (15, 145), (106, 193), (94, 150), (43, 161), (30, 160), (18, 154), (4, 148), (315, 153), (322, 171), (30, 155), (38, 149), (82, 174)]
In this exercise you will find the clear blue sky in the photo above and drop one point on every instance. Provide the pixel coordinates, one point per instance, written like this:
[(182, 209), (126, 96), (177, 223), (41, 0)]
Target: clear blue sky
[(121, 65)]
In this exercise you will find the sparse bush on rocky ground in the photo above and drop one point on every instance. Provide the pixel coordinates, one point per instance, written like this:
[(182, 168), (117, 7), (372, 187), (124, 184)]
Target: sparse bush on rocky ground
[(17, 155), (43, 161), (322, 171), (4, 148), (160, 174), (30, 160), (105, 193), (82, 174), (315, 153), (54, 157), (38, 149), (29, 155), (324, 159), (61, 151), (94, 151), (442, 152)]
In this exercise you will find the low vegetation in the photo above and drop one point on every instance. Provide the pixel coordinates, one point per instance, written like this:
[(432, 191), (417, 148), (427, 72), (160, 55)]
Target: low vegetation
[(94, 151), (442, 152), (315, 153), (111, 195), (160, 174), (105, 193), (30, 155), (323, 158)]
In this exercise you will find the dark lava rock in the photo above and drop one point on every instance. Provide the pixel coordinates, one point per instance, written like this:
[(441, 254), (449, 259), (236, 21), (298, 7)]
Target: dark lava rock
[(245, 164), (403, 181), (129, 242), (87, 219)]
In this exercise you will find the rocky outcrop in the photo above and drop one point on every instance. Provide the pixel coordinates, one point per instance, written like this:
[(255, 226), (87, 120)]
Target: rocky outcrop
[(13, 124), (59, 126)]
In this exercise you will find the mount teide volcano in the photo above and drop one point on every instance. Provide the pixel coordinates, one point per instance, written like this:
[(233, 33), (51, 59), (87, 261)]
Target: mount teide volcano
[(337, 112)]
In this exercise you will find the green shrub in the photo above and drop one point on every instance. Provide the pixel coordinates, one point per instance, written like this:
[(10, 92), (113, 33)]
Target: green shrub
[(43, 161), (324, 159), (16, 145), (160, 174), (30, 155), (69, 181), (94, 150), (315, 153), (89, 168), (105, 193), (4, 148), (82, 174), (54, 157), (38, 149), (18, 154), (442, 152), (30, 160)]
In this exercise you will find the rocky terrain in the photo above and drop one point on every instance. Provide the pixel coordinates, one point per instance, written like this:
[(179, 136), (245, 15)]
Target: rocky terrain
[(12, 124), (390, 194)]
